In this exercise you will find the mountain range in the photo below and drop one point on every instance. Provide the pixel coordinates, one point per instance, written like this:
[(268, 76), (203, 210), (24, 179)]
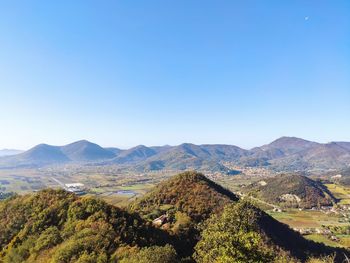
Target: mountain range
[(283, 154)]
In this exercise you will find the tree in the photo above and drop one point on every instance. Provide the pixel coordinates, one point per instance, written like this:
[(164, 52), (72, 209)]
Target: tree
[(233, 236)]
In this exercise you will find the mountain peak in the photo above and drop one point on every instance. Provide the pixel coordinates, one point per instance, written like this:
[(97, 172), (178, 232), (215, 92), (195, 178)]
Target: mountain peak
[(44, 153), (289, 139), (289, 145), (84, 150), (196, 195)]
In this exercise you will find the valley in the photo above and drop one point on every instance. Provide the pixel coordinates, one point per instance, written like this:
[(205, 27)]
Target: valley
[(121, 188)]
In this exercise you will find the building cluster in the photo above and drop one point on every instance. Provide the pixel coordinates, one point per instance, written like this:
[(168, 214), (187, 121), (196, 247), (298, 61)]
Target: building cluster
[(76, 188)]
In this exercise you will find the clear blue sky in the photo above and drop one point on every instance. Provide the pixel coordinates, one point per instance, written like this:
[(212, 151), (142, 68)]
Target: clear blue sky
[(122, 73)]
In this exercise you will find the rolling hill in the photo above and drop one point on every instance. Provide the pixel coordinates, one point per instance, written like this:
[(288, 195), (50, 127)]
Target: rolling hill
[(291, 190), (135, 154), (193, 157), (318, 157), (39, 155), (189, 192), (283, 154), (280, 148), (83, 151), (289, 145), (44, 154), (295, 154)]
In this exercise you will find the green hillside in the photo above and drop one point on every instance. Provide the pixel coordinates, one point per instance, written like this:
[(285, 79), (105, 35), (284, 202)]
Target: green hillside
[(291, 190), (188, 192), (55, 226)]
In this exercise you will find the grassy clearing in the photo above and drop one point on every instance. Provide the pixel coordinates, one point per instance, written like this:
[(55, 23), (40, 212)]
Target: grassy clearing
[(307, 218), (323, 239), (340, 192), (117, 200), (137, 187), (344, 240)]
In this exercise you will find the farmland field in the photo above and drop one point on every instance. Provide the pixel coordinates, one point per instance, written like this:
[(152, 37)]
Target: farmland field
[(323, 239), (308, 218), (340, 192)]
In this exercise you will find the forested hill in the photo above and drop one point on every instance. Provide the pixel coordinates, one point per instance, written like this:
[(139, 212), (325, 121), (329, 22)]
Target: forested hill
[(203, 222), (189, 192), (56, 226), (292, 190)]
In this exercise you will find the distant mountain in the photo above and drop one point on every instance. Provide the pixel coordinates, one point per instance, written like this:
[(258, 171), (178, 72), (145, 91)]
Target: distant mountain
[(289, 145), (284, 146), (345, 145), (136, 154), (318, 157), (7, 152), (189, 156), (114, 150), (283, 154), (291, 190), (295, 154), (82, 151), (43, 154), (341, 176)]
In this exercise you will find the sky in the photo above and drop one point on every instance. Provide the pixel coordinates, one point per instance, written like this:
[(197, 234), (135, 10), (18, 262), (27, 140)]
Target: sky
[(123, 73)]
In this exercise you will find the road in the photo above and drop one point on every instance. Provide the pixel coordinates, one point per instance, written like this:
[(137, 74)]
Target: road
[(59, 182)]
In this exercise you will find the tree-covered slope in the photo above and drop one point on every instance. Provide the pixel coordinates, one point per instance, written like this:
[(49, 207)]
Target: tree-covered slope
[(244, 233), (188, 192), (291, 190), (56, 226)]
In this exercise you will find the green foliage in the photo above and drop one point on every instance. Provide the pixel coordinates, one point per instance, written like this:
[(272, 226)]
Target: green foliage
[(233, 237), (66, 228), (182, 223), (50, 237), (155, 254), (190, 192), (327, 259), (19, 253)]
